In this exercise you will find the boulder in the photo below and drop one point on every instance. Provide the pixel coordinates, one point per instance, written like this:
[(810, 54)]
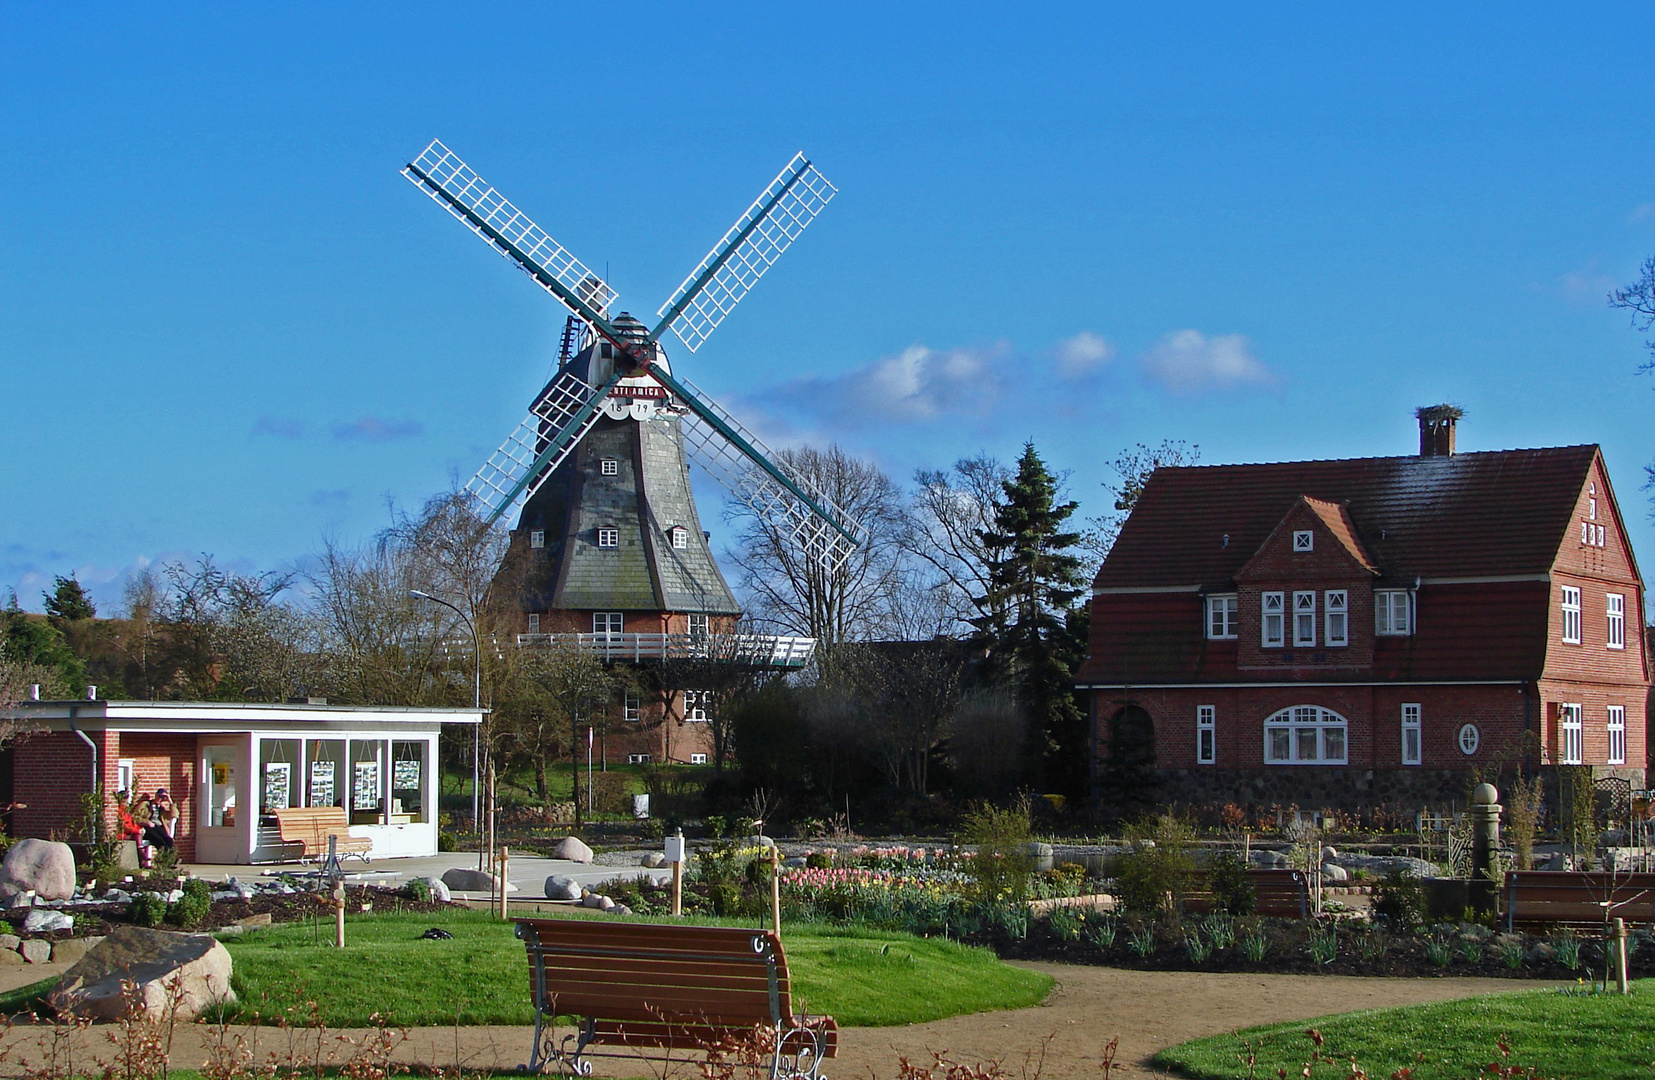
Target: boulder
[(20, 900), (439, 891), (1334, 872), (118, 896), (40, 866), (795, 861), (562, 887), (757, 842), (620, 909), (572, 849), (37, 950), (463, 880), (1329, 854), (45, 920), (653, 861), (600, 903), (152, 961), (70, 950), (1267, 858), (9, 942), (11, 958)]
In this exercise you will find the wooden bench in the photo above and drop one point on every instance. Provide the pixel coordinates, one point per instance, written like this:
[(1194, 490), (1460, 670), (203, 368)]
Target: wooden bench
[(1582, 900), (664, 988), (311, 826), (1277, 894)]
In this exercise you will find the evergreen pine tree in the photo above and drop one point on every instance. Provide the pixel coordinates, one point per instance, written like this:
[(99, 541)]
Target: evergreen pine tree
[(1034, 637), (68, 601)]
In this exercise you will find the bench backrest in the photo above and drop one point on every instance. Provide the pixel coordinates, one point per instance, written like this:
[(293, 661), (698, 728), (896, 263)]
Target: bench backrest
[(1577, 897), (1281, 894), (648, 973), (312, 824)]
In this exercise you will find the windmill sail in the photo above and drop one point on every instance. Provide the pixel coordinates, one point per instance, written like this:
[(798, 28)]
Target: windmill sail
[(557, 421), (751, 246)]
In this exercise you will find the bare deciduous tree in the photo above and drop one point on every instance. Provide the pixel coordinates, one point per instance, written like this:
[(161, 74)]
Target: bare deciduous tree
[(540, 697), (948, 516), (1134, 466)]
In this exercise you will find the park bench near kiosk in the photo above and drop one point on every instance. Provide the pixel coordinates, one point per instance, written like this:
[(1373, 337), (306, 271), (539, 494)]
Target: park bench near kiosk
[(1577, 899), (311, 826), (643, 987), (1277, 894)]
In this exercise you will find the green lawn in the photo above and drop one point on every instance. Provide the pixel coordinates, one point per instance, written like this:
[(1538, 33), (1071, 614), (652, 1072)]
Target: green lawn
[(1562, 1034), (481, 976)]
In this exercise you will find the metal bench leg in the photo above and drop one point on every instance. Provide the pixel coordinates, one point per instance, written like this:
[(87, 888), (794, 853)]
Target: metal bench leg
[(549, 1048), (798, 1054)]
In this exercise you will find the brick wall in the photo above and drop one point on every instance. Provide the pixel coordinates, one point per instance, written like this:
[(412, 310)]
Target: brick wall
[(165, 761), (53, 770)]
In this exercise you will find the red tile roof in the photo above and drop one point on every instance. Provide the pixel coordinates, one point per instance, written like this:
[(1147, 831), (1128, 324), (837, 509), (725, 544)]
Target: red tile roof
[(1503, 512)]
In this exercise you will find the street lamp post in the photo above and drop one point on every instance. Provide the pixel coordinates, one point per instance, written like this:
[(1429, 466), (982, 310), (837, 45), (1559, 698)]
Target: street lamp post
[(476, 700)]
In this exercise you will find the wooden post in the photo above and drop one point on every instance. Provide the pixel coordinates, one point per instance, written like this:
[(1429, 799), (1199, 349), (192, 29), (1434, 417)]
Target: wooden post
[(676, 855), (339, 914), (1620, 955), (776, 893), (504, 859)]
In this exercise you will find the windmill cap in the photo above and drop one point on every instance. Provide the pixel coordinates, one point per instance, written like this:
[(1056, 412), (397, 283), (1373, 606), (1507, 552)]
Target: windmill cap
[(630, 328)]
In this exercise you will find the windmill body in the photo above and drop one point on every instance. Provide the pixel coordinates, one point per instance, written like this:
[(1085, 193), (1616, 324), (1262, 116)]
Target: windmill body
[(609, 552)]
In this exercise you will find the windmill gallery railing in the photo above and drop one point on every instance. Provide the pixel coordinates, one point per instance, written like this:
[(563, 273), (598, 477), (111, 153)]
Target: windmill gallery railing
[(753, 650)]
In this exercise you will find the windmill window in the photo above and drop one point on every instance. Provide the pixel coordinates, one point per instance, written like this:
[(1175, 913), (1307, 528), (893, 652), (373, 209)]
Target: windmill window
[(1304, 619), (1336, 614), (698, 626), (1206, 734), (629, 707), (1304, 540), (1411, 734), (1571, 615), (606, 622), (1305, 735), (537, 538), (1617, 735), (1616, 607), (1391, 612), (607, 351), (608, 538), (534, 623), (1271, 624), (680, 537), (610, 466), (1568, 735), (1221, 616)]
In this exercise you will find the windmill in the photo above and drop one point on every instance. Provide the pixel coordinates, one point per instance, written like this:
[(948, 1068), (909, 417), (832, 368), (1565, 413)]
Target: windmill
[(608, 526)]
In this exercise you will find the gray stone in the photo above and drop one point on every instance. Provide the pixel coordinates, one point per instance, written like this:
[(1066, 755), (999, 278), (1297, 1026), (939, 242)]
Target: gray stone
[(795, 861), (118, 896), (562, 887), (1475, 932), (654, 860), (1329, 855), (10, 958), (36, 950), (620, 909), (1334, 872), (1267, 858), (230, 931), (150, 960), (572, 849), (1542, 953), (460, 879), (21, 900), (70, 950), (9, 942), (44, 921), (439, 890), (43, 867), (598, 902), (757, 842)]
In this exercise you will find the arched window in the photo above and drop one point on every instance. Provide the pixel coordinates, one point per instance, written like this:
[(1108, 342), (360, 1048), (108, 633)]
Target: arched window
[(1305, 735)]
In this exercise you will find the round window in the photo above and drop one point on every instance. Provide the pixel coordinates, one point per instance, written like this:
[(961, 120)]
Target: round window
[(1470, 737)]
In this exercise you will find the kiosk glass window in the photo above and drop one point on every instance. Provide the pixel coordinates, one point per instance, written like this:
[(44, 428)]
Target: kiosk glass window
[(407, 782), (325, 780), (367, 782), (279, 777)]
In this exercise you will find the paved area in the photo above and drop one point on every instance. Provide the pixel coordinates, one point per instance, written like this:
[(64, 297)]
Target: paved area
[(528, 875), (1148, 1011)]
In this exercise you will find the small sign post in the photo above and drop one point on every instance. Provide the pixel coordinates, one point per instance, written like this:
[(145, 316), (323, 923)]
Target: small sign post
[(675, 856)]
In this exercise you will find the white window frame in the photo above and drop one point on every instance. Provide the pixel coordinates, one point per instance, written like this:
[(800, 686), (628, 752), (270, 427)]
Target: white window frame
[(680, 537), (609, 538), (1615, 616), (126, 770), (534, 622), (1304, 619), (537, 538), (631, 707), (1393, 612), (1570, 607), (1206, 734), (1569, 738), (1223, 611), (1272, 620), (1336, 616), (638, 759), (1413, 734), (1616, 724), (1306, 735), (698, 625), (1304, 540), (608, 623), (695, 706), (609, 467), (698, 759)]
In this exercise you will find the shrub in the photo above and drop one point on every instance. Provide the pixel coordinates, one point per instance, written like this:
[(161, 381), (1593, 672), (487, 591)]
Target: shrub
[(147, 909), (1227, 878), (417, 890), (1399, 900), (1001, 865), (446, 842), (1157, 869), (191, 909), (819, 860)]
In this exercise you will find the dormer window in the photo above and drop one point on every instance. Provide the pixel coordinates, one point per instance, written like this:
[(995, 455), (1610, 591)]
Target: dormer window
[(1304, 619), (1304, 540), (537, 538), (1221, 616), (608, 538), (609, 466), (1336, 615), (1392, 616), (1272, 622), (680, 537)]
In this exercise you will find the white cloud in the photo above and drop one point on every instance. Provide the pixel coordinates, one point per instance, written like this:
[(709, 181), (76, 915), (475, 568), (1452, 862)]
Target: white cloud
[(1081, 355), (1188, 362), (1586, 286), (1642, 212), (917, 384)]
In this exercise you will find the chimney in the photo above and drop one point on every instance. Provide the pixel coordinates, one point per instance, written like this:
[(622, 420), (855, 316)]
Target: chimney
[(34, 691), (92, 693), (1436, 429)]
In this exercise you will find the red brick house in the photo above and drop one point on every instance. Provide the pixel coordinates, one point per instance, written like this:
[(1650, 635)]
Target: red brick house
[(1357, 632)]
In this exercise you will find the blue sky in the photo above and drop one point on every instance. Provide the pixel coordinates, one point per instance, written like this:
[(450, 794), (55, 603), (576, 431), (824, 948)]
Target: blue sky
[(227, 325)]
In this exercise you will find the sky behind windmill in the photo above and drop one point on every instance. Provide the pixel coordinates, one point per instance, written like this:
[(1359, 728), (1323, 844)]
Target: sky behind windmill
[(227, 325)]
